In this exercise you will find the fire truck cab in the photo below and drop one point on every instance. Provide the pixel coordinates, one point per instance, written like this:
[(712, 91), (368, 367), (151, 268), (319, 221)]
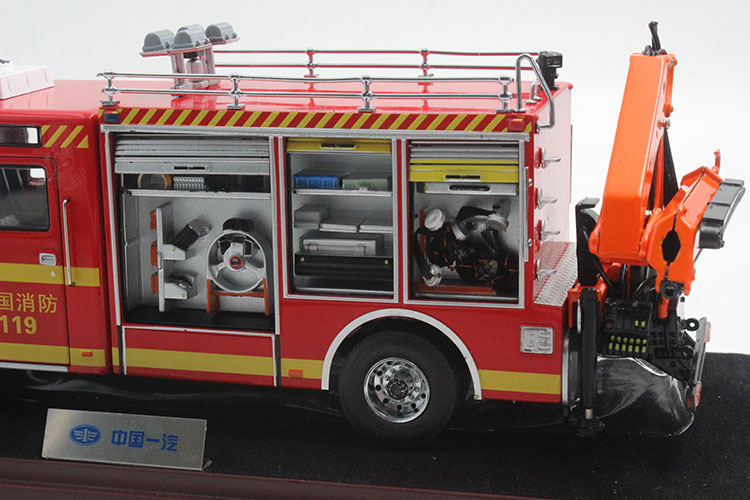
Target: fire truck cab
[(400, 241)]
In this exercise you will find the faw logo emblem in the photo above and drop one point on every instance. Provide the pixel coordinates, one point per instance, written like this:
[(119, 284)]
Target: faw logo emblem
[(85, 435)]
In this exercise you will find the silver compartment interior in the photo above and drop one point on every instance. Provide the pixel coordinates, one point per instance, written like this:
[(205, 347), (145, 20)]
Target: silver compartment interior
[(342, 214), (247, 160), (451, 192)]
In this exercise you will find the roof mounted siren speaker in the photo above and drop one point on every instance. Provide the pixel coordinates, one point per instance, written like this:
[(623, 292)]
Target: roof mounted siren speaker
[(191, 51)]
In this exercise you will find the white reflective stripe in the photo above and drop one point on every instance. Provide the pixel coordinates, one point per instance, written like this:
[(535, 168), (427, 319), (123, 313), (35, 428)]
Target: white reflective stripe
[(33, 366)]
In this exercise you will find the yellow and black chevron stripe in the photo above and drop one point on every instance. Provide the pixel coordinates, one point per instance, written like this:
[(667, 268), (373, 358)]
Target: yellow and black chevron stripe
[(64, 136), (457, 122)]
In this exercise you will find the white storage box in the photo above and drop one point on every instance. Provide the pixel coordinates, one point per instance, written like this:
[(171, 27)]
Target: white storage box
[(23, 80), (342, 244), (342, 223), (310, 216), (379, 225)]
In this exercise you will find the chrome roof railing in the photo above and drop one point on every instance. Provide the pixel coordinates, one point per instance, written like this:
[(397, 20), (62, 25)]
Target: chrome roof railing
[(200, 84)]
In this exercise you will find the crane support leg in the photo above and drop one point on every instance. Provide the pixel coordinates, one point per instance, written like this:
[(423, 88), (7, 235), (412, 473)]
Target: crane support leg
[(589, 424)]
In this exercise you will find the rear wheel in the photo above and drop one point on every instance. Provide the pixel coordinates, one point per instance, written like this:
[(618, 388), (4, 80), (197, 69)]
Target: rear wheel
[(398, 389)]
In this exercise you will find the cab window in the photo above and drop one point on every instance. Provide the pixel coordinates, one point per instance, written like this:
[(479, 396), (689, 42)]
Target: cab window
[(19, 135), (23, 199)]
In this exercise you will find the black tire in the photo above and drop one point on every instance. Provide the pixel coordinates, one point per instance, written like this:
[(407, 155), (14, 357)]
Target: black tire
[(418, 394)]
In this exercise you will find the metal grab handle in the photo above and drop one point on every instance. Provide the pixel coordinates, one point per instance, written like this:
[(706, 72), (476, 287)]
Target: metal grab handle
[(545, 87), (66, 242)]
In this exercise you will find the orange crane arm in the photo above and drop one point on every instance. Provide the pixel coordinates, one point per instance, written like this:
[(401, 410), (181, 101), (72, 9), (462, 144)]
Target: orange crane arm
[(669, 239), (634, 226), (636, 258), (646, 104)]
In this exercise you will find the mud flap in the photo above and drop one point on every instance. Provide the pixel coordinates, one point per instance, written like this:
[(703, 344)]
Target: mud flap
[(634, 397)]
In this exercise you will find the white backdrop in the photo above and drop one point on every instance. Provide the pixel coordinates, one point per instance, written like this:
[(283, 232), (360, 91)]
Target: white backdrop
[(78, 39)]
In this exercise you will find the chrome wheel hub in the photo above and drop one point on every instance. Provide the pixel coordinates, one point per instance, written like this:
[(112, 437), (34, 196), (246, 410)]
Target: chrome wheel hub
[(396, 390)]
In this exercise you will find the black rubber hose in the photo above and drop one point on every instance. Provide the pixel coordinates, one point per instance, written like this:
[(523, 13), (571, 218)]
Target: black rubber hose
[(422, 262)]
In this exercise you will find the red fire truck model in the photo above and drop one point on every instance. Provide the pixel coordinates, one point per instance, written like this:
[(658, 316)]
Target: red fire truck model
[(400, 241)]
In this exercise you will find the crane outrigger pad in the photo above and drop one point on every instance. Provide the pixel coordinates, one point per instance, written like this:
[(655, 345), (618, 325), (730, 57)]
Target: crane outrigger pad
[(719, 211)]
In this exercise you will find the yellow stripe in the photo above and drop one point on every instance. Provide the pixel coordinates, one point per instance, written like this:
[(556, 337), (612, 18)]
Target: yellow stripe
[(493, 123), (147, 117), (344, 118), (364, 145), (217, 117), (286, 121), (437, 121), (361, 121), (441, 173), (199, 361), (528, 127), (54, 137), (254, 116), (534, 383), (115, 356), (458, 119), (72, 136), (473, 124), (82, 276), (236, 116), (311, 368), (164, 116), (183, 116), (268, 121), (303, 123), (96, 360), (416, 122), (44, 129), (130, 116), (101, 112), (30, 353), (398, 121), (197, 120), (324, 120), (55, 275), (84, 144), (379, 121)]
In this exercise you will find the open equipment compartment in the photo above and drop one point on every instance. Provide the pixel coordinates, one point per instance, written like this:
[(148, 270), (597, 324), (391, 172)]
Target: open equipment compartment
[(466, 219), (341, 211), (185, 203)]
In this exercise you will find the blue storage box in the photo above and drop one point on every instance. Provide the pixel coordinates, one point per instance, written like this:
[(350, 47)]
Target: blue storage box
[(316, 181)]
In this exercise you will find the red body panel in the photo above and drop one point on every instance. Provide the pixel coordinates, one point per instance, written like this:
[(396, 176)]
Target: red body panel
[(66, 116), (307, 325), (33, 305), (211, 356), (551, 188)]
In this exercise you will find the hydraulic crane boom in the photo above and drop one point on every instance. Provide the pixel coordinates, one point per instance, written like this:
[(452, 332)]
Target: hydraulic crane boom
[(636, 258), (632, 173), (645, 219)]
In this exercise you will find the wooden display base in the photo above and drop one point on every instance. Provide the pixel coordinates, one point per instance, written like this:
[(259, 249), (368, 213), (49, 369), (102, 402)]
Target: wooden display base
[(42, 479)]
